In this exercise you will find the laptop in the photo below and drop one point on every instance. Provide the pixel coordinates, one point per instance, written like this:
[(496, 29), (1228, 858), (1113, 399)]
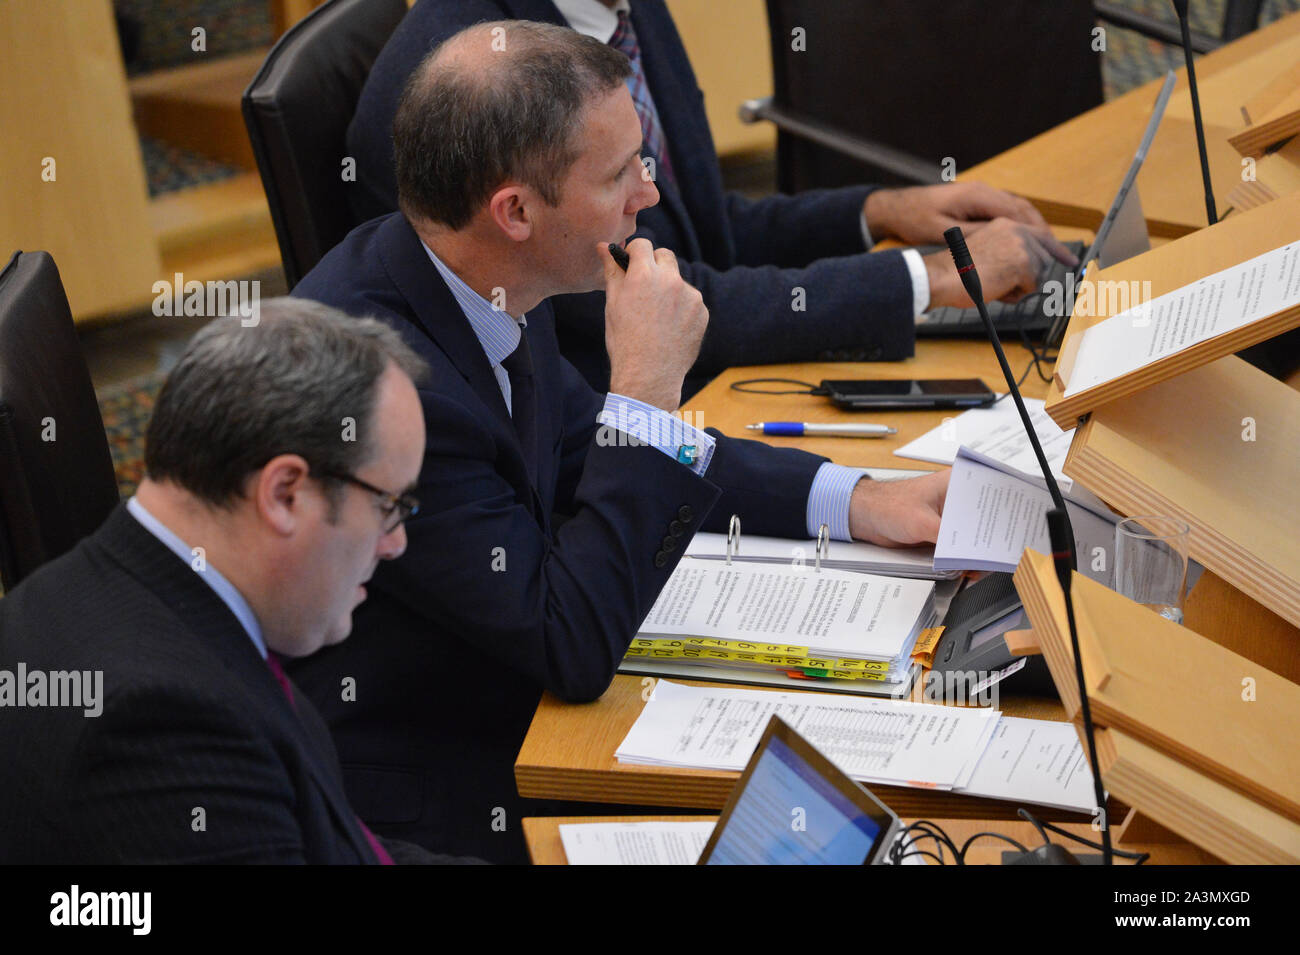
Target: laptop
[(1045, 314), (792, 806)]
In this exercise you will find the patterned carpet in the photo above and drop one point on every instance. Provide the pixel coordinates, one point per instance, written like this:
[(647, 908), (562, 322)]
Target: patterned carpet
[(126, 408)]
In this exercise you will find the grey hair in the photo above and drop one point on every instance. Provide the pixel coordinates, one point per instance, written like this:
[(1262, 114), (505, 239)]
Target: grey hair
[(463, 128), (240, 395)]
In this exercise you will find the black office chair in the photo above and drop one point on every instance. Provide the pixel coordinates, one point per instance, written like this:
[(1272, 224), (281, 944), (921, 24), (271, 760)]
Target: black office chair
[(56, 474), (885, 91), (297, 110)]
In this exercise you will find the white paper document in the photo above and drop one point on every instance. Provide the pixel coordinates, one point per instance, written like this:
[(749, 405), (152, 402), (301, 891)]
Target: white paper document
[(889, 741), (996, 433), (1035, 761), (634, 843), (991, 516), (832, 612), (1212, 306)]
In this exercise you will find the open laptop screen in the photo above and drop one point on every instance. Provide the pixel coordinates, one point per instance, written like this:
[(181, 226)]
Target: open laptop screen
[(793, 808)]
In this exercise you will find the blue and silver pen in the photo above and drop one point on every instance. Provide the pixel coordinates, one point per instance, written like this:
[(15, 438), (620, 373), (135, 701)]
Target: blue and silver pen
[(797, 428)]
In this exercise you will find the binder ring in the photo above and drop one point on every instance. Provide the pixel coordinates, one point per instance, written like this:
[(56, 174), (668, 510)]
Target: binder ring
[(733, 537), (823, 545)]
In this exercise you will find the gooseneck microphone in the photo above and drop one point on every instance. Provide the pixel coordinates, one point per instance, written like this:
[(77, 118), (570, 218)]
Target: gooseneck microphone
[(1180, 8), (970, 279), (1058, 519)]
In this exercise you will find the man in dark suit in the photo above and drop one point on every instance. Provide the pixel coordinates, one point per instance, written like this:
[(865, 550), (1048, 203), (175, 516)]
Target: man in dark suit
[(144, 716), (518, 168), (786, 278)]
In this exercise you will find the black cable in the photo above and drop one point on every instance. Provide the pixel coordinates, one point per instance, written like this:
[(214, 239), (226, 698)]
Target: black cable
[(1026, 815), (812, 389), (994, 835), (1139, 856)]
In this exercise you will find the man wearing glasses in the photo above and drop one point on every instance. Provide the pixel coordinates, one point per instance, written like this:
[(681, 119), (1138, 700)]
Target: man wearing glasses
[(278, 458)]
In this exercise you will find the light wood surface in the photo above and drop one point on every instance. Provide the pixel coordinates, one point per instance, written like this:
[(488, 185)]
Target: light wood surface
[(1276, 174), (1166, 269), (728, 48), (1178, 449), (545, 848), (1169, 688), (717, 406), (65, 97), (1237, 829), (1071, 172)]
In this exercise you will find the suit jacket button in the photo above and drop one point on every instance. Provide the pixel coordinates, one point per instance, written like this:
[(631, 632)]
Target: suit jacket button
[(660, 559), (685, 514), (668, 544), (676, 528)]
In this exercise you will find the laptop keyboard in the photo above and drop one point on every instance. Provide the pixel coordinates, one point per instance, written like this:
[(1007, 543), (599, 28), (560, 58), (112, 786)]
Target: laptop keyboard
[(1008, 319)]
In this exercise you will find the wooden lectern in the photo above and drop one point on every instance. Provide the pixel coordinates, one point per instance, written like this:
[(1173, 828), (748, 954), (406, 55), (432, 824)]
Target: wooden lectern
[(1202, 436), (1193, 728)]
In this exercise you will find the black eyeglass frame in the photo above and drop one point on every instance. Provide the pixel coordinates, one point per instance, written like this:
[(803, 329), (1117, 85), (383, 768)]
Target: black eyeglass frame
[(404, 506)]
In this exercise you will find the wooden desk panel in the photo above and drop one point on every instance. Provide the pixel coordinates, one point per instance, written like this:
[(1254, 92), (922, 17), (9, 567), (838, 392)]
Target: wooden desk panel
[(1071, 172)]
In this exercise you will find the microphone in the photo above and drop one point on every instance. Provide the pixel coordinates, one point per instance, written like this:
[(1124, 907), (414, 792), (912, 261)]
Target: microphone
[(970, 280), (1058, 520), (1180, 8)]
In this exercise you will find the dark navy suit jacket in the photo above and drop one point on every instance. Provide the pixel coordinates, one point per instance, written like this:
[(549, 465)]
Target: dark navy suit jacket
[(191, 719), (747, 258), (492, 602)]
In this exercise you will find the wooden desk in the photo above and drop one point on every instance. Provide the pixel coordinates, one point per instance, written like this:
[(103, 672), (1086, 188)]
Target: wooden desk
[(1071, 172), (545, 847), (569, 750)]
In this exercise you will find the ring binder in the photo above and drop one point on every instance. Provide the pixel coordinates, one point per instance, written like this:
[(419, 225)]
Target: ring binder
[(733, 537), (823, 546)]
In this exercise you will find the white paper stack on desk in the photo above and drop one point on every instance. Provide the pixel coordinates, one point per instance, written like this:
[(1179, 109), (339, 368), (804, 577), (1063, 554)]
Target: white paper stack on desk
[(975, 751), (778, 617)]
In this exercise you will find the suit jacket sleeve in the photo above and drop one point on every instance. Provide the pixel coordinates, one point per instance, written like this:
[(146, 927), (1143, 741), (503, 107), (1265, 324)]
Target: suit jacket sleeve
[(793, 231)]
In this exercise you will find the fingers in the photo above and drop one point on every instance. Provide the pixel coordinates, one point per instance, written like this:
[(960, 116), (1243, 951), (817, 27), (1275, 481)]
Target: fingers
[(612, 271), (641, 253), (1053, 246), (665, 259)]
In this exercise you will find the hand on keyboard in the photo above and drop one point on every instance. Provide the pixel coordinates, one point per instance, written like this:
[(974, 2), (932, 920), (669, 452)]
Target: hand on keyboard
[(1011, 258)]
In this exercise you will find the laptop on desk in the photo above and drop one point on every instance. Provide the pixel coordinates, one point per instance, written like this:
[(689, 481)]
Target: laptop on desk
[(1043, 315), (792, 806)]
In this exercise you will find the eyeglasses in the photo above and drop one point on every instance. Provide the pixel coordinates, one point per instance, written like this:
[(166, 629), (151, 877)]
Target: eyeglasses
[(396, 508)]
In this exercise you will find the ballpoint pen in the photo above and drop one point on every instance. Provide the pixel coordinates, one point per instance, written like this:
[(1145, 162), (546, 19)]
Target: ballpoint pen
[(796, 428)]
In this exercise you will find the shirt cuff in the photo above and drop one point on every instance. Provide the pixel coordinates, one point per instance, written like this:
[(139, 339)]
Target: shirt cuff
[(920, 282), (828, 499), (867, 241), (659, 429)]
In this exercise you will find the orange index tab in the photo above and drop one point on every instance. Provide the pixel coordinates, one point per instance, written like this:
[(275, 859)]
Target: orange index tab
[(923, 652)]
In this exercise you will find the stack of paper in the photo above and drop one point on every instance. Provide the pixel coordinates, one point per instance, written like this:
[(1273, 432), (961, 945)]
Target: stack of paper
[(840, 555), (997, 435), (825, 623), (993, 512), (899, 743)]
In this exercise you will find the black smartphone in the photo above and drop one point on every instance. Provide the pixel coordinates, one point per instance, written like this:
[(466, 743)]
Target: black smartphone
[(910, 393)]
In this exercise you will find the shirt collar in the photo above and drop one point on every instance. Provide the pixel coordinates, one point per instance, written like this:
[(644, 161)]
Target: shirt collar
[(496, 330), (593, 18), (209, 574)]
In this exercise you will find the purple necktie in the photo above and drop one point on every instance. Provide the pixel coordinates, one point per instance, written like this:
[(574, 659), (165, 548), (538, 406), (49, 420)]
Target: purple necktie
[(624, 40), (282, 678)]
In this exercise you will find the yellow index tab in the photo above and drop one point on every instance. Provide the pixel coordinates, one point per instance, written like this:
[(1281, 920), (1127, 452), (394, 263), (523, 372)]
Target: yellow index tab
[(923, 652)]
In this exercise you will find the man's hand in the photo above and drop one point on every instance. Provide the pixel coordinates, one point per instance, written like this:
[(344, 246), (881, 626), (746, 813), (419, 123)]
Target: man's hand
[(898, 513), (1011, 258), (654, 322), (920, 215)]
